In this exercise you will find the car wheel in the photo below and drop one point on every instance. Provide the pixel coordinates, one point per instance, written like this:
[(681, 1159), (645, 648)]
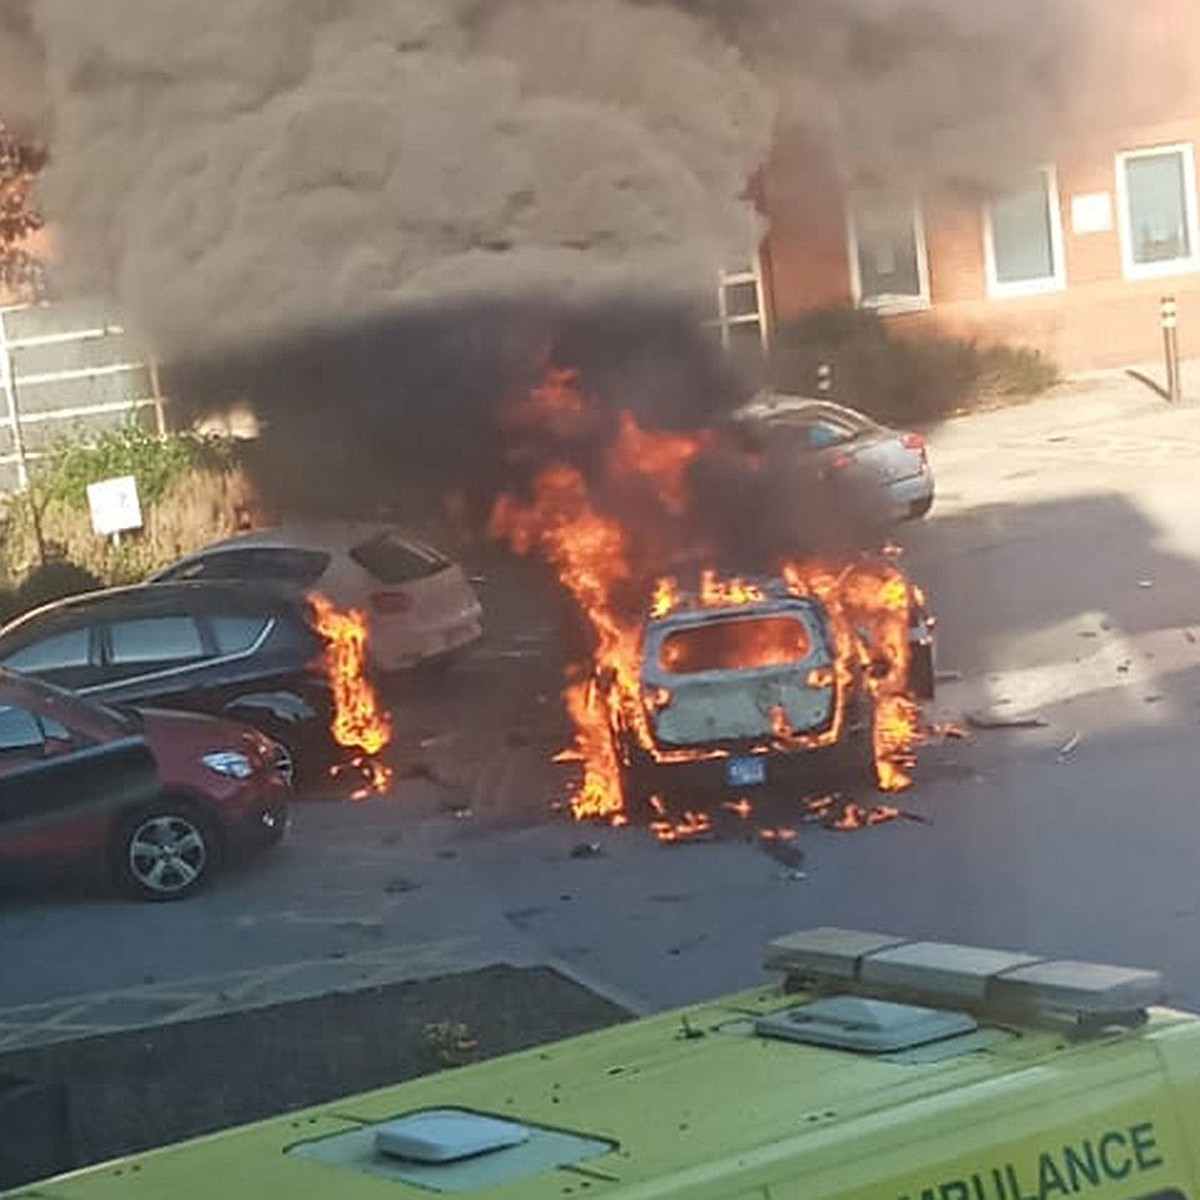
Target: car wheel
[(920, 508), (164, 852), (922, 679)]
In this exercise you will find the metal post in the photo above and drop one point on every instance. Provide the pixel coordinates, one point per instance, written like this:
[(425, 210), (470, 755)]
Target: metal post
[(8, 387), (1169, 314), (156, 391)]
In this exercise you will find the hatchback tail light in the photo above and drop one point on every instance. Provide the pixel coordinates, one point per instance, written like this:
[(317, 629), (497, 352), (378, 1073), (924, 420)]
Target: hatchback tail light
[(390, 602), (913, 441), (841, 461)]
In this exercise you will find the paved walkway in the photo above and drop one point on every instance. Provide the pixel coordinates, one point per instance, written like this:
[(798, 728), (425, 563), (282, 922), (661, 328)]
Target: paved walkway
[(101, 1013)]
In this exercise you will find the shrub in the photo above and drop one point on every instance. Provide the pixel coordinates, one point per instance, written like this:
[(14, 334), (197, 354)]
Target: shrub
[(192, 493), (906, 380)]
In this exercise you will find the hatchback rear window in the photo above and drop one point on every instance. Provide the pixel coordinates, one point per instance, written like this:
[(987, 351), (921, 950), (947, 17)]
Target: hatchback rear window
[(391, 560), (738, 645)]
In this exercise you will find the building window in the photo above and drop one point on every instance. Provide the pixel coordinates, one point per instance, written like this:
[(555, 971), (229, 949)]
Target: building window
[(1156, 190), (888, 268), (1023, 242)]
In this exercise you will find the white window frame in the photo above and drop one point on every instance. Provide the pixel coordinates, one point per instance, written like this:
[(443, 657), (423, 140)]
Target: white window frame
[(890, 304), (1056, 281), (1176, 266)]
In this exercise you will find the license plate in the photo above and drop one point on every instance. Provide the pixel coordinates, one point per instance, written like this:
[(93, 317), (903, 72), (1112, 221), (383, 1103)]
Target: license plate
[(746, 772)]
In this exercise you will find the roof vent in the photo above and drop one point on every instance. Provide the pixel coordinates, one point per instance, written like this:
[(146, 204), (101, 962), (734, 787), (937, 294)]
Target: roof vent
[(868, 1026), (447, 1135)]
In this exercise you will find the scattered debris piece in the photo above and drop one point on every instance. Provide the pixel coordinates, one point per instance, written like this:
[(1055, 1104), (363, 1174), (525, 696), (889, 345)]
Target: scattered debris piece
[(949, 731), (948, 677), (400, 885), (417, 770), (741, 808), (692, 827), (1123, 667), (1145, 583), (438, 739), (1069, 747), (1190, 635), (460, 810), (1089, 633), (792, 876), (587, 850), (994, 720), (782, 846), (1155, 698), (447, 854)]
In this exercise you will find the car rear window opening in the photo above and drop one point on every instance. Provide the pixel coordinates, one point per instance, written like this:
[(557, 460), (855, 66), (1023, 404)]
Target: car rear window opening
[(735, 645), (392, 561)]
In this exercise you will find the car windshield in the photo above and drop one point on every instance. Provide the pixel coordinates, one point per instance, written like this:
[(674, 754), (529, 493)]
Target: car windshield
[(742, 644)]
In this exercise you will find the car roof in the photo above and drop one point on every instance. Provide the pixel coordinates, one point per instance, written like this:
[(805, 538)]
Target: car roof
[(310, 535), (163, 599), (776, 407), (689, 612)]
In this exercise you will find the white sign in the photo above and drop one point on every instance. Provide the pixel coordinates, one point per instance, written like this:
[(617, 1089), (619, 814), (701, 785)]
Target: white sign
[(115, 506), (1091, 212)]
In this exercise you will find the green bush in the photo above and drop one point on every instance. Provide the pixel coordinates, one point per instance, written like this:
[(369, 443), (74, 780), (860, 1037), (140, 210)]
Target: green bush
[(158, 463), (192, 492), (900, 379)]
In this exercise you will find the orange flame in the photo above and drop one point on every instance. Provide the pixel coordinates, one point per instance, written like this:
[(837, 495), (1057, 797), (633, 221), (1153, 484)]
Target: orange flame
[(359, 722), (868, 606)]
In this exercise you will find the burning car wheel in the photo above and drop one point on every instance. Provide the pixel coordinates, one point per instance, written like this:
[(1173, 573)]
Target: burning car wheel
[(163, 853)]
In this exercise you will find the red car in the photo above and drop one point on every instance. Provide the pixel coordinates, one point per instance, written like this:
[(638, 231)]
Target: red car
[(222, 788)]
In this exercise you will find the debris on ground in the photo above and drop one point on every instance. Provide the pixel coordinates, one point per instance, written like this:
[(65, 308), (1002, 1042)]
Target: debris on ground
[(948, 677), (948, 731), (792, 876), (995, 720), (782, 845), (1190, 635), (460, 810), (587, 850), (400, 885), (842, 813), (1145, 583), (1069, 747)]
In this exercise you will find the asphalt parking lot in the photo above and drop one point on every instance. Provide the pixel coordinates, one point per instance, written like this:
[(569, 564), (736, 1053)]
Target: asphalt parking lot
[(1063, 560)]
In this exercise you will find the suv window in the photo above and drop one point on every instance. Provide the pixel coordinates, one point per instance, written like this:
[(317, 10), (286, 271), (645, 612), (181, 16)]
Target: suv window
[(19, 730), (55, 653), (155, 640), (233, 634), (743, 645), (392, 560)]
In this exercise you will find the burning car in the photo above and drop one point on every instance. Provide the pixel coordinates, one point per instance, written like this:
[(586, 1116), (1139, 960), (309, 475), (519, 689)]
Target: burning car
[(748, 685)]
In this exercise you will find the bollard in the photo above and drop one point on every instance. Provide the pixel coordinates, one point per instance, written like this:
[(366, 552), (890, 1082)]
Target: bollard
[(1169, 316)]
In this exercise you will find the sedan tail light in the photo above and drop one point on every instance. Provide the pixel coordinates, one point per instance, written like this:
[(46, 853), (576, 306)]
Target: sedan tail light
[(913, 441), (390, 602)]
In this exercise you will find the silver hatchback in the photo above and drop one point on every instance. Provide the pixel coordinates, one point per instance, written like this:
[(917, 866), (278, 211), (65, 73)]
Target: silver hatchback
[(885, 469)]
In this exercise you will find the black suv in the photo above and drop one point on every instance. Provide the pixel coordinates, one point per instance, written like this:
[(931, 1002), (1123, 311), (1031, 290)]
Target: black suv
[(246, 651)]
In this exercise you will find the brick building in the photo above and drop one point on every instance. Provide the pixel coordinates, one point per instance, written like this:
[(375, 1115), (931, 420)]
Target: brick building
[(1072, 257)]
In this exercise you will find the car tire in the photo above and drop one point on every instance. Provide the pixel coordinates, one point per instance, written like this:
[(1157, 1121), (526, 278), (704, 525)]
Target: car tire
[(922, 678), (165, 851), (920, 508)]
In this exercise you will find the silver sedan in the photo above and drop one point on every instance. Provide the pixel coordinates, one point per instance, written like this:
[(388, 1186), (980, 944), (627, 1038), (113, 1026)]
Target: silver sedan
[(890, 467)]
